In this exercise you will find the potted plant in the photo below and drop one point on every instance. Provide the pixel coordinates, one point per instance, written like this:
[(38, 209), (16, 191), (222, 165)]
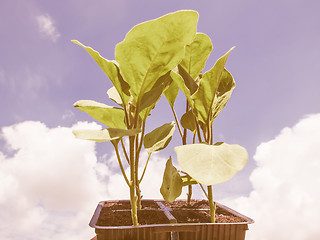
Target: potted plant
[(148, 63)]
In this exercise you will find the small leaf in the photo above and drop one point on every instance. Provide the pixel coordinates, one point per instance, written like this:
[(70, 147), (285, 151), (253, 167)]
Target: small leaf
[(197, 54), (171, 93), (111, 69), (159, 138), (171, 187), (181, 84), (114, 96), (108, 134), (211, 164), (188, 121), (225, 90), (150, 98), (109, 116), (187, 180), (205, 96), (188, 80)]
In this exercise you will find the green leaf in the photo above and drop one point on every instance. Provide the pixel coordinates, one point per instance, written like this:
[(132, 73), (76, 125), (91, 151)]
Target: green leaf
[(211, 164), (225, 90), (114, 96), (159, 138), (188, 80), (111, 69), (181, 84), (171, 93), (153, 48), (150, 98), (188, 121), (108, 134), (109, 116), (187, 180), (205, 96), (171, 187), (197, 54)]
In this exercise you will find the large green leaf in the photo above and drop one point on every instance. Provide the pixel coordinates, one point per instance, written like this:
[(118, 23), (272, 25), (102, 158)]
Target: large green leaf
[(153, 48), (111, 69), (171, 187), (108, 134), (225, 90), (159, 138), (211, 164), (205, 96), (109, 116), (197, 54)]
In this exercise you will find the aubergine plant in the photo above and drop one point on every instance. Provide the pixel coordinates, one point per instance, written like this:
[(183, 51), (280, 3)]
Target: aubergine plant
[(202, 161), (140, 73)]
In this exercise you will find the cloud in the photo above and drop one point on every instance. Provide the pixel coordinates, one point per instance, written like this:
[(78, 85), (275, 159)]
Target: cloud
[(285, 199), (47, 28), (50, 185), (50, 182)]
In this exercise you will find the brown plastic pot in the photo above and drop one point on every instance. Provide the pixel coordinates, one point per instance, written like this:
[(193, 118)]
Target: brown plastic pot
[(171, 230)]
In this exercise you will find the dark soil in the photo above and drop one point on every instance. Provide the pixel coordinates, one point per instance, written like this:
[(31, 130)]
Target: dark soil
[(110, 217), (118, 213)]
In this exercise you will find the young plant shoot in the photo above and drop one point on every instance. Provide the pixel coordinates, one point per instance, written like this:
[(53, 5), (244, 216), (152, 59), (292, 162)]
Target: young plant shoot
[(141, 71), (203, 162)]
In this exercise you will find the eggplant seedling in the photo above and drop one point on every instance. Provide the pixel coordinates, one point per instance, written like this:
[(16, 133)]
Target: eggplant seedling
[(202, 161), (142, 69)]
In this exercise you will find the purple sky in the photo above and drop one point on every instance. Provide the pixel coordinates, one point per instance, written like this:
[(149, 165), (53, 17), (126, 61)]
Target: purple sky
[(275, 64)]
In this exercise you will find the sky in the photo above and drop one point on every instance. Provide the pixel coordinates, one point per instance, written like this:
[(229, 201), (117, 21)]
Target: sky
[(54, 181)]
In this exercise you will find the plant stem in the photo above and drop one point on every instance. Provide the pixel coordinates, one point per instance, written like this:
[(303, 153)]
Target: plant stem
[(204, 191), (177, 121), (124, 150), (145, 168), (133, 197), (212, 204), (189, 194), (198, 132), (120, 163)]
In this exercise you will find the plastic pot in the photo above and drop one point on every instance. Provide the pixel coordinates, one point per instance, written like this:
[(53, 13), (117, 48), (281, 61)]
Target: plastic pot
[(170, 227)]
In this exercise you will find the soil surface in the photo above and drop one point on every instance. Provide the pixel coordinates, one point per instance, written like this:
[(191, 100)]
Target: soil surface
[(118, 213)]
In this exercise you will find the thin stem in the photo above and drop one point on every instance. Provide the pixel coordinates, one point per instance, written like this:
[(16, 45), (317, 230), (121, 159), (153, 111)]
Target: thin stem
[(184, 137), (198, 132), (142, 137), (120, 163), (145, 167), (212, 204), (177, 121), (211, 133), (189, 194), (126, 115), (204, 191), (124, 150)]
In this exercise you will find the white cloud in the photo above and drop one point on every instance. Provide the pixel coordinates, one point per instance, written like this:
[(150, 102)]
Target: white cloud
[(285, 199), (47, 28), (53, 182), (50, 186)]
